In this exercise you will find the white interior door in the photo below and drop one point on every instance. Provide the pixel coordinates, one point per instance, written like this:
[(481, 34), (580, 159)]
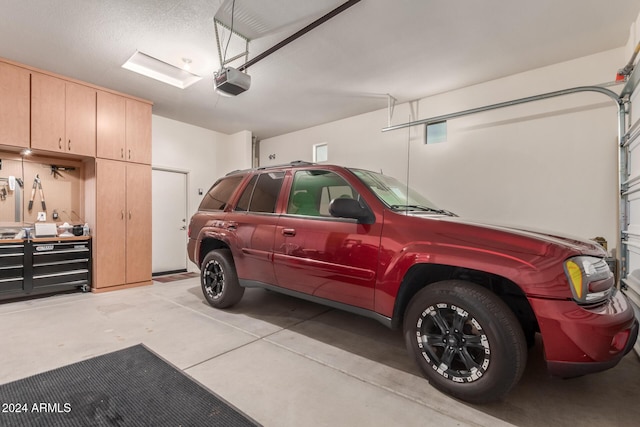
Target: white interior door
[(169, 200)]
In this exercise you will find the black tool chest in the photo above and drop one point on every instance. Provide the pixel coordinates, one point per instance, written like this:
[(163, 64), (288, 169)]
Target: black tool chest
[(44, 266)]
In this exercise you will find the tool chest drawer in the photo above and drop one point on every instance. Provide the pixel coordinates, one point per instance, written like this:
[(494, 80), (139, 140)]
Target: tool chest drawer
[(11, 268), (47, 254), (11, 255), (61, 263), (44, 266)]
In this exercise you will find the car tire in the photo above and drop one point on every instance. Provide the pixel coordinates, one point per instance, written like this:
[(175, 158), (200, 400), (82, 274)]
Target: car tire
[(466, 340), (219, 279)]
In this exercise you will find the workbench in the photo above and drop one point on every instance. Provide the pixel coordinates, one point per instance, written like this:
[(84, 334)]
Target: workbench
[(44, 265)]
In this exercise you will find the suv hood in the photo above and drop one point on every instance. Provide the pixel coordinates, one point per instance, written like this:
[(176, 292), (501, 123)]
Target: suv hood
[(572, 243)]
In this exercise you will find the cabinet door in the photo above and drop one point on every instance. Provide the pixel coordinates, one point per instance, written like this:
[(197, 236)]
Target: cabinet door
[(110, 231), (110, 126), (14, 108), (80, 123), (47, 112), (138, 131), (138, 223)]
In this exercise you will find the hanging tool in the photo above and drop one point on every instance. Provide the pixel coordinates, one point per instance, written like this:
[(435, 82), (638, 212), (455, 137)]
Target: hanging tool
[(55, 170), (37, 183), (6, 182)]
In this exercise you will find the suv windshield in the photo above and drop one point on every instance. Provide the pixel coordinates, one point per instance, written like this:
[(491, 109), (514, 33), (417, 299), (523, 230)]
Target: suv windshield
[(395, 194)]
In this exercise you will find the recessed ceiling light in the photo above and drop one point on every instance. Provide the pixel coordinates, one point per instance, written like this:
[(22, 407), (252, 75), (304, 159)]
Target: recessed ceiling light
[(149, 66)]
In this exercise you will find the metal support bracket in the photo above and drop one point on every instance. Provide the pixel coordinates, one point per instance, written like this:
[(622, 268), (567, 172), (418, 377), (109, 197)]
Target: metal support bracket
[(224, 61), (611, 94), (391, 105)]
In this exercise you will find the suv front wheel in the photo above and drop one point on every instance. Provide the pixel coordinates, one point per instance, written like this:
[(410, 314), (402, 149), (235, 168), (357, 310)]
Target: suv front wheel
[(466, 340), (219, 279)]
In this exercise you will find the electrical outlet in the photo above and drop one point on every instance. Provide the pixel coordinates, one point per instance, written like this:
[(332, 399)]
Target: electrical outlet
[(42, 216)]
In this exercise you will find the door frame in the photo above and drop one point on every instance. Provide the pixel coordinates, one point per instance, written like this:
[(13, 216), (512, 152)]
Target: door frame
[(187, 174)]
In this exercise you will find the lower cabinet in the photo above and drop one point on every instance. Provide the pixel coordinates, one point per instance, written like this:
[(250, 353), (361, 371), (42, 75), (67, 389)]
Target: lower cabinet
[(42, 266), (122, 244)]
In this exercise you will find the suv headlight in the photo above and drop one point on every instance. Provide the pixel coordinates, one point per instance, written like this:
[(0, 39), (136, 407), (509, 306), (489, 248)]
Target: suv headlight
[(590, 278)]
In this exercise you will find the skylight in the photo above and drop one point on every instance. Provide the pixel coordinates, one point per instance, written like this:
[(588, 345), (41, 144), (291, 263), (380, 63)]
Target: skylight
[(149, 66)]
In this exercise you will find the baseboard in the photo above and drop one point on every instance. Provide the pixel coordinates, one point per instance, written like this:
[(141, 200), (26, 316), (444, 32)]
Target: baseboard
[(119, 287)]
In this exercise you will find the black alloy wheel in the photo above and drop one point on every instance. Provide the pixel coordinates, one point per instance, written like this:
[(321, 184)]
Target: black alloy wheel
[(454, 343), (219, 280), (466, 340), (213, 279)]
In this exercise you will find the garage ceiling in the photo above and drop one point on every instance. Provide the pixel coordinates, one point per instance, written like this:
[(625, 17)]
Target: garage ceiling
[(407, 48)]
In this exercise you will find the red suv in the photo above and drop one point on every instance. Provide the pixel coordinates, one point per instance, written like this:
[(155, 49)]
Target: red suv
[(469, 297)]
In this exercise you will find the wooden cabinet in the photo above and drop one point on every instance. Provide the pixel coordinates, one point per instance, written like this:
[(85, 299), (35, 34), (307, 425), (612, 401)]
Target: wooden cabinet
[(112, 133), (123, 224), (123, 129), (110, 229), (138, 131), (63, 116), (14, 105), (47, 113), (110, 137), (139, 232)]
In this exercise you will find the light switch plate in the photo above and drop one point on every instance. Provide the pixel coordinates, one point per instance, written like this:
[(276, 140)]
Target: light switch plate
[(42, 216)]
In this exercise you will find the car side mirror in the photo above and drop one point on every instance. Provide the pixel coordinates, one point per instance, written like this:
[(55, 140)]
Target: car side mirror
[(351, 208)]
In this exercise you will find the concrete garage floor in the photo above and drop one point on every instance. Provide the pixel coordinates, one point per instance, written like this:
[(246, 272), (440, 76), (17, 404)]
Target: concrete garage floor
[(287, 362)]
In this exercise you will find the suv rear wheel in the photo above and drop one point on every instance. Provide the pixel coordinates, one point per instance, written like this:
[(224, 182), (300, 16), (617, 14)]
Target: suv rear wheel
[(219, 279), (466, 340)]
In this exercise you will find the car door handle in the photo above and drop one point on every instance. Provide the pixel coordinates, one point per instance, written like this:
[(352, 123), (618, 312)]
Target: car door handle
[(289, 232)]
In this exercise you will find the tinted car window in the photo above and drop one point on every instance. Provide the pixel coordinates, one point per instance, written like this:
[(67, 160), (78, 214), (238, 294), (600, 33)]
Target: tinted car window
[(245, 198), (218, 196), (261, 193), (265, 194)]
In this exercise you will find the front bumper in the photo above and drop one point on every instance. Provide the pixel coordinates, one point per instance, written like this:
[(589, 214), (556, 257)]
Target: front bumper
[(579, 340)]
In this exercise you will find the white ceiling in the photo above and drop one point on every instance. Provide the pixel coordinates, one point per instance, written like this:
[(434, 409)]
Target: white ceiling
[(406, 48)]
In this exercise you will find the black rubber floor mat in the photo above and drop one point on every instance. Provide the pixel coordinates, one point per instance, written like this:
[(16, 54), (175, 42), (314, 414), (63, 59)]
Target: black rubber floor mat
[(130, 387)]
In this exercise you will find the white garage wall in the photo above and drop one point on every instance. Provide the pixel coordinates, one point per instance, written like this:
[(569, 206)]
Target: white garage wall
[(183, 147), (547, 165), (234, 152), (206, 155)]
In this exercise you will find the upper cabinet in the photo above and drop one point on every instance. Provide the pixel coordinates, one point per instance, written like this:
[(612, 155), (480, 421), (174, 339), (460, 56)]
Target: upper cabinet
[(14, 106), (63, 116), (124, 129), (110, 138), (138, 131)]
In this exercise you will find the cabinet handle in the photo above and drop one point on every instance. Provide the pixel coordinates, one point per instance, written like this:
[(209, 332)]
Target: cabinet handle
[(60, 143), (122, 214), (69, 145), (129, 214), (122, 153), (129, 154)]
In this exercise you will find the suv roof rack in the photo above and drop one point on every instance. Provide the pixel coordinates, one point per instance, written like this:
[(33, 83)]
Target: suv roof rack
[(293, 163)]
